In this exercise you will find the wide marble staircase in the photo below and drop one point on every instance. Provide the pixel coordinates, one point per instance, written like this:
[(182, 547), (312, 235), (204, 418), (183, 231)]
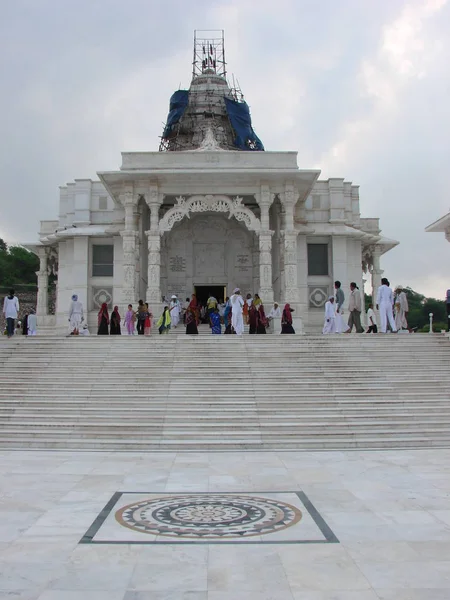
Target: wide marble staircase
[(225, 392)]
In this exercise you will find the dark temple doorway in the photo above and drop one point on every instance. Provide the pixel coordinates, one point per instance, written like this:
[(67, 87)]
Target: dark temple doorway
[(203, 292)]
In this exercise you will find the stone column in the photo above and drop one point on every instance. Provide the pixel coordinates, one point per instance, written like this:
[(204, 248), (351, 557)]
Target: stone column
[(289, 198), (129, 241), (255, 265), (265, 199), (290, 267), (154, 201), (265, 267), (42, 281), (154, 266), (377, 272)]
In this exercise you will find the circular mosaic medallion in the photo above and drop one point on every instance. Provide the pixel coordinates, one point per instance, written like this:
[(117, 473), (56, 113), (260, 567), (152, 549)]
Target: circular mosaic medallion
[(209, 516)]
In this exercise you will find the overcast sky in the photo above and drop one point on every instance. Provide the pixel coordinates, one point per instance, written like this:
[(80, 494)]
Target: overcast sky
[(359, 87)]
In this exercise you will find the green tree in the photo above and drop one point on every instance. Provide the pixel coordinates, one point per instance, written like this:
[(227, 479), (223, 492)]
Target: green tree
[(17, 266)]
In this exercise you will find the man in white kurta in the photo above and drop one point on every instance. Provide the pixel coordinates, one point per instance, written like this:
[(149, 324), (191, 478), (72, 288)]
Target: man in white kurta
[(330, 317), (75, 315), (385, 302), (11, 311), (237, 304), (274, 317), (401, 308), (175, 310)]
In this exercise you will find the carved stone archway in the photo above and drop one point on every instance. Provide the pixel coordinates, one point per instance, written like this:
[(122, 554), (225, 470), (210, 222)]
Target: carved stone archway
[(209, 203)]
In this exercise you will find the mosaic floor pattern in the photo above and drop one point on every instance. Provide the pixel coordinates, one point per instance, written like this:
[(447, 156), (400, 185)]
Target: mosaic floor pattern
[(209, 518)]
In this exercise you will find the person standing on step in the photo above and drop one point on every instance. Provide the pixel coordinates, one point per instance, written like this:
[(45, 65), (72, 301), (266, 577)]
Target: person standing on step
[(273, 316), (114, 328), (286, 319), (330, 317), (11, 311), (216, 327), (103, 320), (248, 302), (261, 320), (164, 321), (148, 321), (185, 309), (75, 315), (175, 310), (25, 324), (191, 322), (372, 320), (341, 326), (32, 323), (237, 305), (141, 316), (401, 308), (211, 305), (384, 305), (354, 308), (130, 320), (252, 319)]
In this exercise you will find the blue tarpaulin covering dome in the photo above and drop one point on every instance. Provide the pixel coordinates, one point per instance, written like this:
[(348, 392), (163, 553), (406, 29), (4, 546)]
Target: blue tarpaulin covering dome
[(239, 115), (178, 103)]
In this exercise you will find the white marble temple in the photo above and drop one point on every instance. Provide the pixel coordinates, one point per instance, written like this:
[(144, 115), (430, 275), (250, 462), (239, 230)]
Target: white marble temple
[(394, 539)]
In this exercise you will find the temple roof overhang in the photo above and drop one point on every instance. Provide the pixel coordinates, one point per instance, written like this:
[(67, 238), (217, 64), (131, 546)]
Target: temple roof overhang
[(342, 229), (442, 225)]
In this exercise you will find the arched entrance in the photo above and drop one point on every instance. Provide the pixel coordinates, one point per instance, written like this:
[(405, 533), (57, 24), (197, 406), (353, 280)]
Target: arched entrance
[(208, 254)]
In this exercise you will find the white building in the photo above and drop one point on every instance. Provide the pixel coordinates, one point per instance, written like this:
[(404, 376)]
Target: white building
[(208, 212)]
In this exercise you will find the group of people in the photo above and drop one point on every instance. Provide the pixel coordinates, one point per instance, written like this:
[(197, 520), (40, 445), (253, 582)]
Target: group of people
[(392, 308), (11, 308)]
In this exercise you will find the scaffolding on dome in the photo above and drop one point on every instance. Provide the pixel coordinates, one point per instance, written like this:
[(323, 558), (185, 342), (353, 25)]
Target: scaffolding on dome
[(209, 53), (211, 103)]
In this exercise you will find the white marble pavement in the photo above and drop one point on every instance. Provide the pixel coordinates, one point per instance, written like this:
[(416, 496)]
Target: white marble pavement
[(390, 511)]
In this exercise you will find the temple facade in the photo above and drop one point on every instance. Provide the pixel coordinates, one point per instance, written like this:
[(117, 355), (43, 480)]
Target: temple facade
[(210, 211)]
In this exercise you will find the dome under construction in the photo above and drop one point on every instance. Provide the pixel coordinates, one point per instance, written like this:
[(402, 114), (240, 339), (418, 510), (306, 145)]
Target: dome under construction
[(210, 109)]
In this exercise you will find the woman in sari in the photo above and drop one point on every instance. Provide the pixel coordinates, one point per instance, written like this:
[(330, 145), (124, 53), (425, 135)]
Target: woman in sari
[(148, 321), (261, 320), (191, 322), (130, 320), (286, 319), (103, 320), (257, 300), (164, 321), (114, 328), (216, 327), (252, 318), (193, 305)]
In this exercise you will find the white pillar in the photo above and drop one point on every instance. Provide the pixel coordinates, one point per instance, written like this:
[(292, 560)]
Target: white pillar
[(154, 267), (340, 264), (289, 249), (265, 267), (154, 201), (129, 241), (42, 281), (302, 275), (265, 199), (80, 269), (377, 272)]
